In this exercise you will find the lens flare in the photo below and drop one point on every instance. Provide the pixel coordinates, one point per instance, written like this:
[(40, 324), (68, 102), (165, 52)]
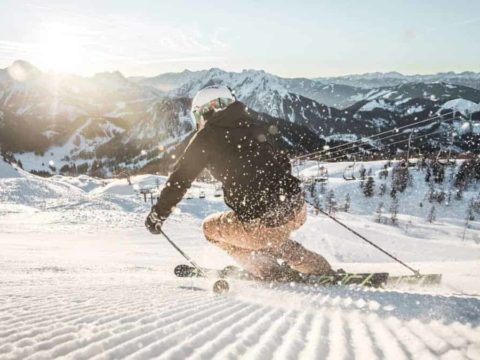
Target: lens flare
[(59, 48)]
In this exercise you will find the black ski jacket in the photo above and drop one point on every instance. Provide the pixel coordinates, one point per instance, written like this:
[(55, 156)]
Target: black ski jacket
[(256, 177)]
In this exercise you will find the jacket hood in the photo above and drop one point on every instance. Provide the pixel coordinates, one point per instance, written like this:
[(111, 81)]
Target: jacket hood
[(234, 116)]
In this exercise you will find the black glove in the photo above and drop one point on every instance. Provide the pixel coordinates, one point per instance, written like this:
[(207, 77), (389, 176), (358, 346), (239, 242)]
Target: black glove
[(154, 222)]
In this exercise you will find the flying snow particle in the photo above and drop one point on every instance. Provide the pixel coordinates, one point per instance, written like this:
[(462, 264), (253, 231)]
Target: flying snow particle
[(161, 148), (173, 156), (326, 147), (143, 152), (465, 126), (261, 138), (272, 129), (51, 163), (282, 197)]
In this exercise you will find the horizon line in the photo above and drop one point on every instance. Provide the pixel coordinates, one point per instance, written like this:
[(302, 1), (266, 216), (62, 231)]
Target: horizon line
[(91, 75)]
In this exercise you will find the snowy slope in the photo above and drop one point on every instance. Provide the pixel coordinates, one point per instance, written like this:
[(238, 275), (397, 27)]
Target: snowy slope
[(7, 170), (81, 278), (461, 105)]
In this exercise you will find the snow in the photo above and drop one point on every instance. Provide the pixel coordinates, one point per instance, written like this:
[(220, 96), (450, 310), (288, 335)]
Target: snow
[(376, 104), (414, 109), (80, 278), (67, 153), (7, 170), (461, 105)]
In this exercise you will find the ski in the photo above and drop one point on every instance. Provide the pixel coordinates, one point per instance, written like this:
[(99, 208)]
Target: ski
[(422, 280), (375, 280)]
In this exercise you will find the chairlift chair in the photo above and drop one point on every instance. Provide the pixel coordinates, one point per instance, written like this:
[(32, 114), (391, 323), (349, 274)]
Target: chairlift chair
[(218, 190), (447, 162), (322, 174), (349, 172)]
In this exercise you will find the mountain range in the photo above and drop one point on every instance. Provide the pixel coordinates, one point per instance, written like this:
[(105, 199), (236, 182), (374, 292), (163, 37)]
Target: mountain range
[(55, 123)]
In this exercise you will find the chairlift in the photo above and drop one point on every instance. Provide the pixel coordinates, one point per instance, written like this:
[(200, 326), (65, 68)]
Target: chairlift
[(447, 162), (202, 195), (349, 172), (322, 174), (218, 190)]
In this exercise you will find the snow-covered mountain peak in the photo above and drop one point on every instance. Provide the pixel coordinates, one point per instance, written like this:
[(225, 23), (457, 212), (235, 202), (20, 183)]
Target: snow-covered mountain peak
[(22, 70), (461, 105), (114, 78)]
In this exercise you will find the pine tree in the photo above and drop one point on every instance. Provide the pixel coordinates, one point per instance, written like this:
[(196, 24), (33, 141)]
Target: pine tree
[(431, 192), (346, 204), (400, 177), (317, 204), (449, 198), (428, 176), (431, 215), (383, 174), (369, 187), (383, 189), (469, 217), (470, 210), (459, 194), (438, 172), (476, 205), (393, 193), (323, 188), (362, 172), (330, 203), (378, 213), (394, 211), (362, 184)]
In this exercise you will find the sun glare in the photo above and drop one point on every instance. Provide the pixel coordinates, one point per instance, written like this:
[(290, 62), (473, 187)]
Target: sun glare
[(59, 48)]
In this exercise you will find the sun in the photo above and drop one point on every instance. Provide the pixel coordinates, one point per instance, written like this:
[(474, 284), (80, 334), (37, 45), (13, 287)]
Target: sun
[(59, 48)]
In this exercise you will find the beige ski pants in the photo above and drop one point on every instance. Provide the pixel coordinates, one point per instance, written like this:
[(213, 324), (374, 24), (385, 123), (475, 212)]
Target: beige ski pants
[(260, 249)]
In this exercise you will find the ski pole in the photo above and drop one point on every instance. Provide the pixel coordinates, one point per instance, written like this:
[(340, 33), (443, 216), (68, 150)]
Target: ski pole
[(416, 272), (193, 263)]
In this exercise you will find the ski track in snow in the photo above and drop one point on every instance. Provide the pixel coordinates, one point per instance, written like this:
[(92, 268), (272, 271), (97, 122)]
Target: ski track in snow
[(80, 278), (138, 317)]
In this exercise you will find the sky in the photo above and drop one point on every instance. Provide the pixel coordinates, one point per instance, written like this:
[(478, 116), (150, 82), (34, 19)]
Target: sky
[(287, 38)]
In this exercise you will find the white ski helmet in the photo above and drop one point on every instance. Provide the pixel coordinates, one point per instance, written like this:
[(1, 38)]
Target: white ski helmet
[(210, 98)]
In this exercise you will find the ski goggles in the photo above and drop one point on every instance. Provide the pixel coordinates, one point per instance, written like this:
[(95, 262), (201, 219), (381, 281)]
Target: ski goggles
[(213, 105)]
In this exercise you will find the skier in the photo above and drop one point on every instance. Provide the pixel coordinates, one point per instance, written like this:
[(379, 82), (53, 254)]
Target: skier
[(266, 200)]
